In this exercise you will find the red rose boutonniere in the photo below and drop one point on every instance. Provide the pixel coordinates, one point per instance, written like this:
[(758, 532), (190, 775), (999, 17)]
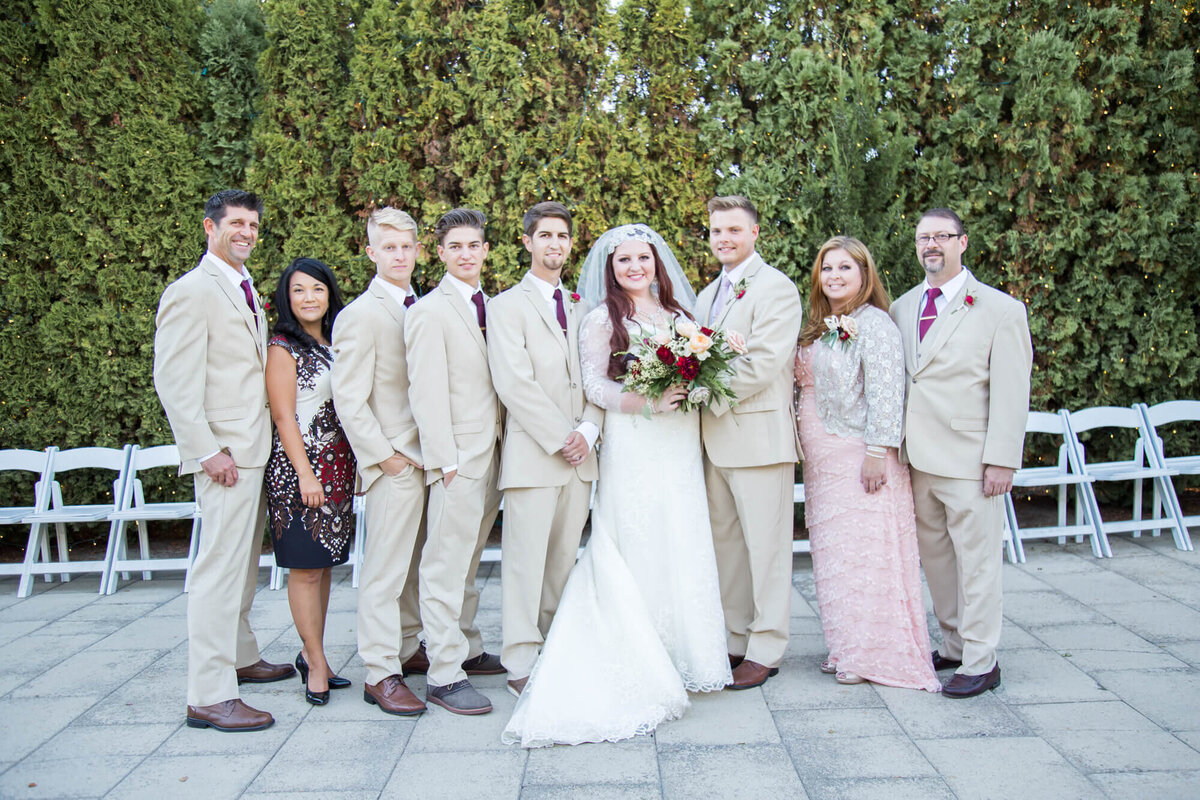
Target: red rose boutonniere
[(266, 305), (740, 288), (574, 297), (969, 299)]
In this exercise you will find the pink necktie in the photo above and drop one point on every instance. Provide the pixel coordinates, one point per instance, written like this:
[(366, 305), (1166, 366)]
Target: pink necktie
[(722, 295), (929, 314), (559, 311), (246, 290)]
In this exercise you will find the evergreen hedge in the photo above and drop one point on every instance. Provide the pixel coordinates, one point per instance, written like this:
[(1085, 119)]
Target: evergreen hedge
[(1067, 137)]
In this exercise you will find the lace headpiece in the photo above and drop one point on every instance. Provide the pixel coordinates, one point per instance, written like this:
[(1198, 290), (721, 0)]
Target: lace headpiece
[(591, 276)]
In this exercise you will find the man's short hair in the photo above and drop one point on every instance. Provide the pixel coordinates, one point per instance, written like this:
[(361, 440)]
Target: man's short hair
[(459, 218), (945, 213), (388, 217), (215, 206), (548, 209), (731, 202)]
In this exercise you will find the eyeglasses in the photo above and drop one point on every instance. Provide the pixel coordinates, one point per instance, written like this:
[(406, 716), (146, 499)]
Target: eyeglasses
[(940, 238)]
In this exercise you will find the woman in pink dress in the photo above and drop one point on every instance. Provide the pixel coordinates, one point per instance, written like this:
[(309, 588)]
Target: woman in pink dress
[(858, 500)]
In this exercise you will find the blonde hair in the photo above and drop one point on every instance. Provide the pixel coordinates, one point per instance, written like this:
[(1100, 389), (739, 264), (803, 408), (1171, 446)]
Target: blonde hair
[(870, 293), (388, 217), (733, 202)]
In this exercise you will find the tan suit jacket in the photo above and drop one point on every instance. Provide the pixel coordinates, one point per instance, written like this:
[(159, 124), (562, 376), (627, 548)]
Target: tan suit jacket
[(967, 383), (209, 362), (209, 372), (370, 394), (450, 385), (535, 370), (761, 428), (370, 382)]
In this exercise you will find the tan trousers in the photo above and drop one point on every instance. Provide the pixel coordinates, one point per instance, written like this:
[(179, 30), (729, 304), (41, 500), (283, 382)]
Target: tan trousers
[(751, 510), (459, 520), (389, 619), (960, 534), (223, 581), (542, 528)]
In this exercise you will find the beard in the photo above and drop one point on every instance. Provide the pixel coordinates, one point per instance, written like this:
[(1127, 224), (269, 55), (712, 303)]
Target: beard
[(933, 262)]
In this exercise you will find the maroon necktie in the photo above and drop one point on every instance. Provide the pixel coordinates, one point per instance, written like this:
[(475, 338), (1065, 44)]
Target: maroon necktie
[(929, 314), (409, 299), (559, 310), (477, 299), (246, 290)]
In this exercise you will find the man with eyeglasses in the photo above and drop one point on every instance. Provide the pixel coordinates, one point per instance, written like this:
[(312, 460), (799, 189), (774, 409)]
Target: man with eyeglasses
[(968, 358)]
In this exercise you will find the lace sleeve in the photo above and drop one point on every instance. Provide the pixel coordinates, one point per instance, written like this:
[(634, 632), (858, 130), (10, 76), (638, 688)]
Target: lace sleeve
[(595, 335), (882, 357)]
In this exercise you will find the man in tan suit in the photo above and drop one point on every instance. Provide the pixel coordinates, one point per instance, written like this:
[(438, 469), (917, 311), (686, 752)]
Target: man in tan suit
[(370, 392), (750, 449), (967, 357), (548, 462), (209, 358), (458, 417)]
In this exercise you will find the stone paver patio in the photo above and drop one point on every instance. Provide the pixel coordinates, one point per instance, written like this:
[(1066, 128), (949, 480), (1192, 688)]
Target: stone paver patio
[(1101, 698)]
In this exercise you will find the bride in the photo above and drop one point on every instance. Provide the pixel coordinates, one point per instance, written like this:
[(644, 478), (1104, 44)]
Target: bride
[(640, 622)]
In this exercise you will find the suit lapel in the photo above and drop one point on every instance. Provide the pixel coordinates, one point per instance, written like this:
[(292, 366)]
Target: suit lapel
[(385, 297), (542, 310), (255, 321), (466, 312), (908, 327), (947, 322), (751, 270)]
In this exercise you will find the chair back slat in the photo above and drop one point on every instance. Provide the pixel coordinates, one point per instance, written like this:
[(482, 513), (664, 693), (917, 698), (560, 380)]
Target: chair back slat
[(1173, 411)]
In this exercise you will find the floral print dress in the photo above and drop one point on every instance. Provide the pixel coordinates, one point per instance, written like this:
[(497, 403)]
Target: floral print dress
[(312, 538)]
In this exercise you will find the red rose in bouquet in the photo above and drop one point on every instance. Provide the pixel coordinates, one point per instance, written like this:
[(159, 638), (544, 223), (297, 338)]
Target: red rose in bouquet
[(689, 367)]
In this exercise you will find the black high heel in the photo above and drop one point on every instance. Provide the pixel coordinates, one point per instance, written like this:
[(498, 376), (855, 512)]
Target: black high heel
[(335, 681)]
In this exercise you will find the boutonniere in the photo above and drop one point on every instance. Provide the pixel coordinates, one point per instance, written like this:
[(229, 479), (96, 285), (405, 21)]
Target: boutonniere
[(969, 299), (574, 297), (842, 330), (266, 305), (740, 288)]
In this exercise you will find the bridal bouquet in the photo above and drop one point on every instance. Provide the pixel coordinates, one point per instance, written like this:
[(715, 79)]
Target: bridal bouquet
[(699, 358)]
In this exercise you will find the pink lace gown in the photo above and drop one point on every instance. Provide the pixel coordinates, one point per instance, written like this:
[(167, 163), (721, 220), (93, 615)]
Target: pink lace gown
[(864, 553)]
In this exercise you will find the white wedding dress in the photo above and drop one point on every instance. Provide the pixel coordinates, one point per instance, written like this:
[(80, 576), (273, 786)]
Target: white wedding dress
[(640, 621)]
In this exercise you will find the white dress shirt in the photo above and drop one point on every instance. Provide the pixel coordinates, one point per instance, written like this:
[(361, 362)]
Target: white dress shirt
[(949, 289)]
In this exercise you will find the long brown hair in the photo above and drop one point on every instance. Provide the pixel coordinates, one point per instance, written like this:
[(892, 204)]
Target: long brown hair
[(621, 307), (871, 292)]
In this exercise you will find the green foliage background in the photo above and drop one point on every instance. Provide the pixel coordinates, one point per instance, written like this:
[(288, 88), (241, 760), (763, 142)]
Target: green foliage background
[(1068, 139)]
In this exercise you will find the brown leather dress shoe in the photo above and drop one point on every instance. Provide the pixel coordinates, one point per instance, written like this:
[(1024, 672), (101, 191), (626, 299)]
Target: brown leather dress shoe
[(749, 674), (230, 716), (735, 660), (961, 686), (516, 687), (484, 664), (418, 662), (940, 662), (392, 696), (263, 672)]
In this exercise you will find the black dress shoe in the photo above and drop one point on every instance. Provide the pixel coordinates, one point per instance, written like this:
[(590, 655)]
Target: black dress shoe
[(335, 681), (940, 662), (316, 698), (961, 686), (484, 664)]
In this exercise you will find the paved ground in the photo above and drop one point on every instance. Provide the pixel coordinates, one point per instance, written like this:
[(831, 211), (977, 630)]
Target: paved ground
[(1101, 698)]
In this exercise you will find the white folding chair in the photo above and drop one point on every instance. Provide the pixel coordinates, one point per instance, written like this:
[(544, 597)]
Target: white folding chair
[(51, 510), (799, 545), (134, 508), (1138, 469), (1064, 475), (33, 461), (1157, 419)]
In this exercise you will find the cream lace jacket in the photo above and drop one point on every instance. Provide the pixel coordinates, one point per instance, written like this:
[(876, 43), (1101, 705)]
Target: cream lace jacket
[(858, 385)]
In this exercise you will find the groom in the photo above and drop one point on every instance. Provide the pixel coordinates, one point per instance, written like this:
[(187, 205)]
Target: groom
[(548, 462), (750, 450)]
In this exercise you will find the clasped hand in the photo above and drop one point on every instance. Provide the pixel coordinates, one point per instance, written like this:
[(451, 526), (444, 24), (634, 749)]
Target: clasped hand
[(575, 449)]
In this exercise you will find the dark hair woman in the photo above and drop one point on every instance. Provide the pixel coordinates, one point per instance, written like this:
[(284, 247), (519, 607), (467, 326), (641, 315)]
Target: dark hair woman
[(310, 475)]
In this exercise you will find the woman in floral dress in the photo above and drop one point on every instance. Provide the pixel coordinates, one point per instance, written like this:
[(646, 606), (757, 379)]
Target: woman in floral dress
[(310, 475), (858, 499)]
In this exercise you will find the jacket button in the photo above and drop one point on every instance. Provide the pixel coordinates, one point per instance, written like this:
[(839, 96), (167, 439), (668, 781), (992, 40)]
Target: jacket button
[(573, 385)]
